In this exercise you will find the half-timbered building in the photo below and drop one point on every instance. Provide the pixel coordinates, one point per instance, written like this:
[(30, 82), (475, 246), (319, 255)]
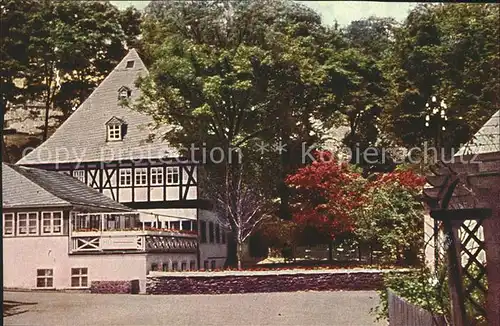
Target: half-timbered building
[(113, 149), (59, 233)]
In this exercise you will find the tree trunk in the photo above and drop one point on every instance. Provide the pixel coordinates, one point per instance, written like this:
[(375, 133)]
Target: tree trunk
[(232, 257), (5, 152), (239, 250), (330, 251)]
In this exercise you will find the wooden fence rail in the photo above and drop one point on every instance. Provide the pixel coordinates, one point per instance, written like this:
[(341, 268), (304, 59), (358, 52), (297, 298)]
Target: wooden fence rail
[(403, 313)]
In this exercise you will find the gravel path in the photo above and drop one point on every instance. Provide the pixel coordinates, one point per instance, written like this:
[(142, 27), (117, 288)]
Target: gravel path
[(297, 308)]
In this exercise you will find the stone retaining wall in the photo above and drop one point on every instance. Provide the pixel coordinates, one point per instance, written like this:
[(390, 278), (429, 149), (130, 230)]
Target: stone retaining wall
[(218, 284), (111, 287)]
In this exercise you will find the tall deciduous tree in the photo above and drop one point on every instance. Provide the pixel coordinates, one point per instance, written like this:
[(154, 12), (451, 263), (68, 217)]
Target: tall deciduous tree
[(450, 51), (14, 56), (59, 51), (232, 74), (14, 50), (73, 45)]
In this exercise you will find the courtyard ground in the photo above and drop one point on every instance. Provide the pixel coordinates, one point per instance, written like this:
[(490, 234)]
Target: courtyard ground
[(297, 308)]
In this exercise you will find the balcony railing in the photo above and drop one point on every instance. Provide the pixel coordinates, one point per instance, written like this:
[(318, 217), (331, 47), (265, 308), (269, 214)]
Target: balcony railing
[(105, 232)]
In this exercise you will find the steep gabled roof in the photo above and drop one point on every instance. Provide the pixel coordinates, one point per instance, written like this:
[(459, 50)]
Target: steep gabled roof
[(82, 137), (25, 187), (486, 140), (115, 121), (19, 191)]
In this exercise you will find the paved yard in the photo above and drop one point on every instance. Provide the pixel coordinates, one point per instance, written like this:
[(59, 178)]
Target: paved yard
[(298, 308)]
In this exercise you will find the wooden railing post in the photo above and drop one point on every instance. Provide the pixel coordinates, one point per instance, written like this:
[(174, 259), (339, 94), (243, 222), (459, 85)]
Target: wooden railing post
[(455, 286)]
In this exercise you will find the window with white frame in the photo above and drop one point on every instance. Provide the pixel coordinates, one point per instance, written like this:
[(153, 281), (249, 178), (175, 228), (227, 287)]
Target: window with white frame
[(114, 132), (172, 175), (125, 177), (27, 223), (33, 223), (157, 176), (8, 224), (141, 177), (51, 222), (44, 278), (79, 277), (79, 175)]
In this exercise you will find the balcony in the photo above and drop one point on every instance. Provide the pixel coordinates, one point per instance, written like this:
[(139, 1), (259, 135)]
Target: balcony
[(124, 232)]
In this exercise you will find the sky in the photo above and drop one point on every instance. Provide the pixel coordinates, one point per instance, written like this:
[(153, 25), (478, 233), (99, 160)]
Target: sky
[(343, 12)]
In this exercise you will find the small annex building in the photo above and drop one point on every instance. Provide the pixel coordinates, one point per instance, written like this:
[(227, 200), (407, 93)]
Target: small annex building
[(59, 233)]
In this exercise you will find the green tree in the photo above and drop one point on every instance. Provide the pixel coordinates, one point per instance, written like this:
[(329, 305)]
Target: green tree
[(57, 52), (14, 50), (232, 74), (14, 56), (391, 216), (73, 45), (450, 51), (373, 36)]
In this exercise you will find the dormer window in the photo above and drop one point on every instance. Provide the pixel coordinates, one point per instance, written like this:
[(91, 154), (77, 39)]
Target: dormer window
[(124, 93), (115, 128)]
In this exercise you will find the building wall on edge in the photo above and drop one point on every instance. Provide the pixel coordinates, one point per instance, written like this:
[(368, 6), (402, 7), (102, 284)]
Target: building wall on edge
[(211, 251), (23, 256)]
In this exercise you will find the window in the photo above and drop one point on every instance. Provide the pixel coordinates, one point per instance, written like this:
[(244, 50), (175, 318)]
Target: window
[(124, 93), (203, 231), (173, 175), (205, 264), (44, 278), (154, 267), (27, 224), (165, 267), (211, 231), (175, 225), (79, 277), (51, 222), (223, 236), (186, 225), (184, 266), (130, 64), (141, 177), (8, 224), (33, 223), (114, 132), (125, 177), (192, 265), (157, 176), (217, 233), (175, 266), (79, 175), (212, 265)]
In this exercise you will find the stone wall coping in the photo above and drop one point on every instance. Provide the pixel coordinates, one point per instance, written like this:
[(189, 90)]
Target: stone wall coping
[(274, 272)]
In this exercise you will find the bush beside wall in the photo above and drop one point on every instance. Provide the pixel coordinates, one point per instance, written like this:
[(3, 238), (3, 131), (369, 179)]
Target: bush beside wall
[(111, 287)]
